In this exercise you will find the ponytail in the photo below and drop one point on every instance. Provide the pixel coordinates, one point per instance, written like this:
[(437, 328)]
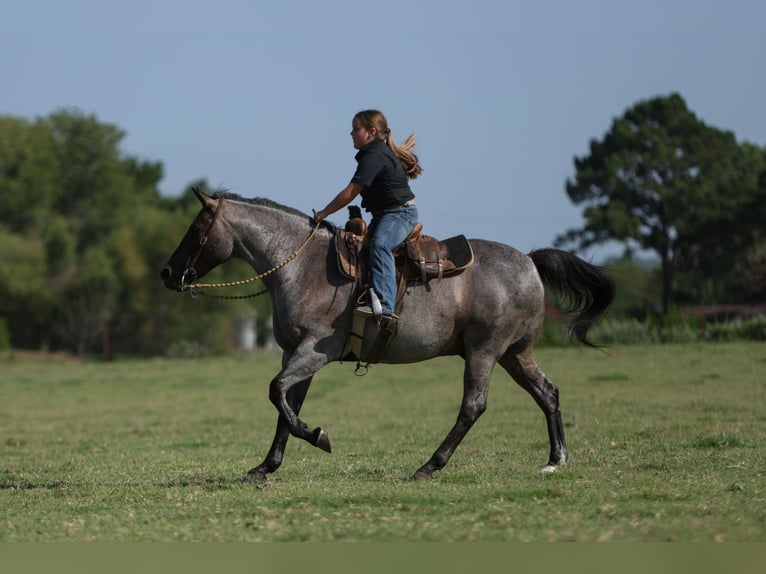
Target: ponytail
[(404, 152)]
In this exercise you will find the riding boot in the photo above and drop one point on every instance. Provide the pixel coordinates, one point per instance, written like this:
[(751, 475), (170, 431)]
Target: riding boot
[(387, 328)]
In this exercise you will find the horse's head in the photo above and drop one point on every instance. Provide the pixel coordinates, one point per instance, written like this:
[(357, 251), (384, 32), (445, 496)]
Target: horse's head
[(205, 246)]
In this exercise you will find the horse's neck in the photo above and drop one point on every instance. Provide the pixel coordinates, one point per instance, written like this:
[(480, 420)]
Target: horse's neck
[(266, 237)]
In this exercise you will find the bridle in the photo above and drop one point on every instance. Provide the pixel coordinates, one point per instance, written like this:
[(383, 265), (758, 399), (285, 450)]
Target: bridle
[(194, 288), (189, 270)]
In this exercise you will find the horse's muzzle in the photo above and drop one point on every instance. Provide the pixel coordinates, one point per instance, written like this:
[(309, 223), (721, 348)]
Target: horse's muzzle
[(167, 277)]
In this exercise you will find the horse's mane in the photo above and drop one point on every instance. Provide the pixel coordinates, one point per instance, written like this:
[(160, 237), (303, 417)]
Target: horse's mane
[(271, 204)]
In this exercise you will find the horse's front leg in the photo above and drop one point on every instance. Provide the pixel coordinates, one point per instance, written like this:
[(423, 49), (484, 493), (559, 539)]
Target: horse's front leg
[(276, 453), (300, 367)]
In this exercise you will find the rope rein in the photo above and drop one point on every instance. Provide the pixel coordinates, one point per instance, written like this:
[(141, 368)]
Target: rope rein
[(194, 288)]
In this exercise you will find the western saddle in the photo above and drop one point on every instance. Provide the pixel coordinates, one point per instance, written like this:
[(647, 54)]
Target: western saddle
[(419, 259)]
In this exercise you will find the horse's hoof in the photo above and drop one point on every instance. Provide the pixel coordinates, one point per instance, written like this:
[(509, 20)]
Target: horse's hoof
[(322, 440), (256, 477), (554, 465), (422, 475)]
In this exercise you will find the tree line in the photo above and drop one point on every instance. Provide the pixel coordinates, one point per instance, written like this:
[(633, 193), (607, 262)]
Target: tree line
[(85, 232), (85, 229)]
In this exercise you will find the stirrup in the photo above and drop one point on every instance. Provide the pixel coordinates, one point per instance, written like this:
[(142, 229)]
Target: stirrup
[(364, 310)]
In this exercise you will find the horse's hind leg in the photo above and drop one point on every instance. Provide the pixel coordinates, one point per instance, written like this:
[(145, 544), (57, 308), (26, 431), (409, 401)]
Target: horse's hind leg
[(528, 375), (475, 388), (273, 460)]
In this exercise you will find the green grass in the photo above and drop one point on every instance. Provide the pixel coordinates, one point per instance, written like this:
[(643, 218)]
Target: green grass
[(666, 443)]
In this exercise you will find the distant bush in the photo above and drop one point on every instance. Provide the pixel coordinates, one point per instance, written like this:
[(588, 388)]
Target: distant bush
[(624, 332), (738, 330), (676, 330), (185, 349), (673, 328), (678, 333)]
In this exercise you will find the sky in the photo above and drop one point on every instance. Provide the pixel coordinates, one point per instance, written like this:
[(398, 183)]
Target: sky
[(257, 97)]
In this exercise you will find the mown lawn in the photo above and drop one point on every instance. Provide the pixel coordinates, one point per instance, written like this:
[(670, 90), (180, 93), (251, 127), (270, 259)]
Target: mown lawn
[(666, 444)]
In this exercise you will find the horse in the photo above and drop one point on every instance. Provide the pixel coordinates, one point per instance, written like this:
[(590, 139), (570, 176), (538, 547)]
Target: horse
[(490, 313)]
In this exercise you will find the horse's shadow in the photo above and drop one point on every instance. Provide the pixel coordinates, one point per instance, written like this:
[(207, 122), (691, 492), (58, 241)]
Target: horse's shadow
[(23, 484), (206, 481)]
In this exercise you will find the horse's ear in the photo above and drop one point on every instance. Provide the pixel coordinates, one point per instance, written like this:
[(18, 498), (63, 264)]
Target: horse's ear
[(204, 199)]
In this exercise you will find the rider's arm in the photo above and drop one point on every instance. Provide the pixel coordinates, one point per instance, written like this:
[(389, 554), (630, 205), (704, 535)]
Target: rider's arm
[(346, 196)]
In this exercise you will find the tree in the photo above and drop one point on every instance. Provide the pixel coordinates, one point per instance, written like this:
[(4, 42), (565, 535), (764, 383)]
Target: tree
[(662, 180), (86, 300), (65, 189), (29, 172), (748, 282), (85, 233), (26, 298)]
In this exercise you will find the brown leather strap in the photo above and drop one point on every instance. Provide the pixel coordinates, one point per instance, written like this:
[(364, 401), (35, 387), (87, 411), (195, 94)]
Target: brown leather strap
[(192, 260)]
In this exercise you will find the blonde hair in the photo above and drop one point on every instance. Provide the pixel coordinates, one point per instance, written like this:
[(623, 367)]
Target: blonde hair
[(375, 119)]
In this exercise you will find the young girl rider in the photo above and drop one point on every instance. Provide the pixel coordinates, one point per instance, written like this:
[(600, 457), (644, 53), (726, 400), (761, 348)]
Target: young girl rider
[(381, 177)]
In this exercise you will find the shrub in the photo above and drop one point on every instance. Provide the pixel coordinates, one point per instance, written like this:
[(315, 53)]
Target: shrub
[(673, 328), (755, 329), (624, 332), (738, 330), (676, 330), (185, 349)]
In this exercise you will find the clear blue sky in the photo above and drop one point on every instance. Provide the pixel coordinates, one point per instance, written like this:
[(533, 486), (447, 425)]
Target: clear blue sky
[(258, 96)]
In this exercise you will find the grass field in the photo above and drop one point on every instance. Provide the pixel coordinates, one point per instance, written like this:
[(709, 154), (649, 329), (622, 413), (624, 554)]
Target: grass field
[(667, 443)]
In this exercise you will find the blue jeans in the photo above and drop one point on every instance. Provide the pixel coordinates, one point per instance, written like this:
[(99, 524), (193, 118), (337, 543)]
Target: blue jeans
[(388, 230)]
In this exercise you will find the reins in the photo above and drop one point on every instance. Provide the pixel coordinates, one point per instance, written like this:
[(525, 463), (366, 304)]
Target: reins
[(194, 288)]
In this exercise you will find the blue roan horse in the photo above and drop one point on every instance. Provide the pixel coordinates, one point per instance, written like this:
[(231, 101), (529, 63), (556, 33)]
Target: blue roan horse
[(490, 313)]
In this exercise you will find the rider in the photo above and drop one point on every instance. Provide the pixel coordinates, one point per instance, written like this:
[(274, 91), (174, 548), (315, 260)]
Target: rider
[(383, 169)]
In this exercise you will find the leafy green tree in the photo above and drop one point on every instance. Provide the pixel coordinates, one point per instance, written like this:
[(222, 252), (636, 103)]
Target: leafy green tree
[(99, 187), (86, 300), (85, 233), (748, 282), (664, 181), (151, 318), (750, 275), (65, 188), (26, 296), (717, 245), (29, 172)]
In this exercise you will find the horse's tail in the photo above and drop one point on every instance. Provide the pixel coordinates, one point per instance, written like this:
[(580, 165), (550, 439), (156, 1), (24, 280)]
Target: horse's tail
[(587, 288)]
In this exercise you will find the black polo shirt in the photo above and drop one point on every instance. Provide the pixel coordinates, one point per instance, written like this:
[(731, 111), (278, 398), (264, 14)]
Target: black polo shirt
[(383, 177)]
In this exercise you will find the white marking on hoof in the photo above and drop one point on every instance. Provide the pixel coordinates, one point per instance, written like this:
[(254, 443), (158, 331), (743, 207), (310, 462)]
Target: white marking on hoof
[(549, 469)]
